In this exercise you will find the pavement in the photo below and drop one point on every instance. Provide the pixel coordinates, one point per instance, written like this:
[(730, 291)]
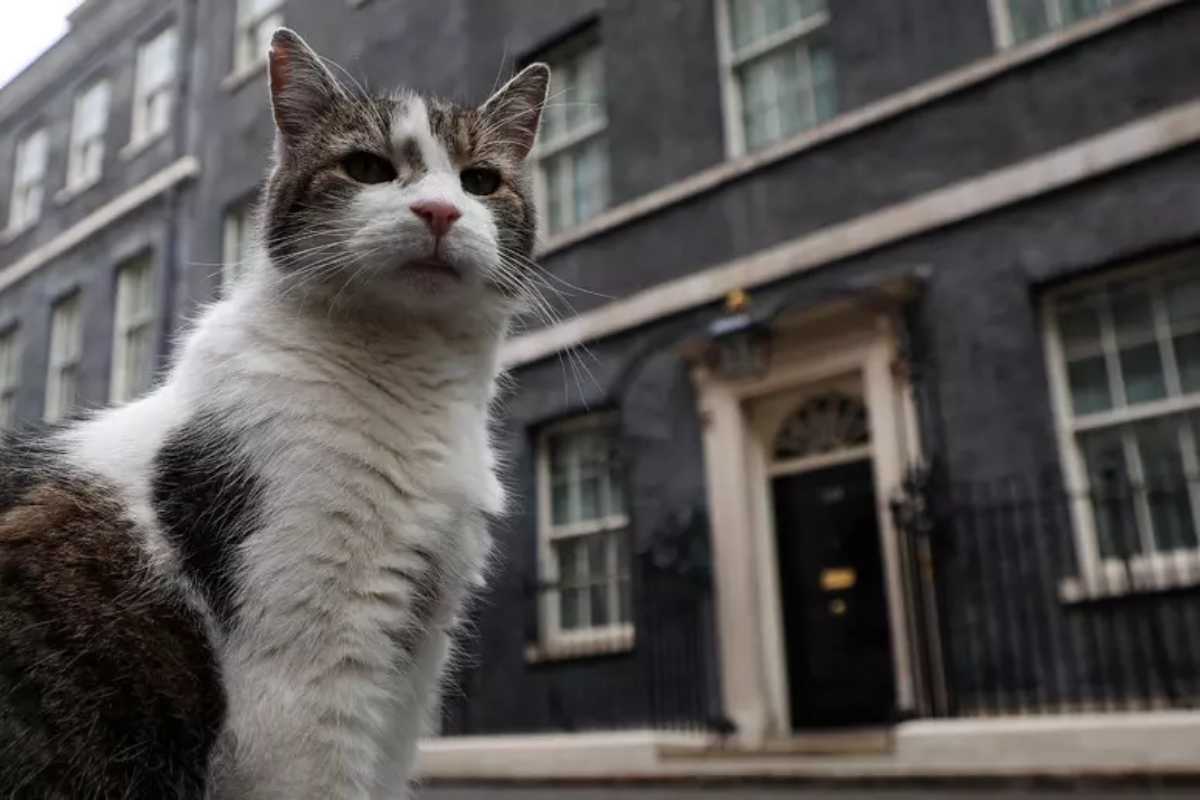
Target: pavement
[(728, 792)]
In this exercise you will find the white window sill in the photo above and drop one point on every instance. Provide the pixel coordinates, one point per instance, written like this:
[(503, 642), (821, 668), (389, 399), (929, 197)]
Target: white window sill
[(69, 193), (243, 75), (1144, 575), (138, 146), (582, 644)]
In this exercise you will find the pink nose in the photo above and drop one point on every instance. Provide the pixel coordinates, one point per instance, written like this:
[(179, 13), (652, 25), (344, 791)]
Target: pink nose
[(439, 216)]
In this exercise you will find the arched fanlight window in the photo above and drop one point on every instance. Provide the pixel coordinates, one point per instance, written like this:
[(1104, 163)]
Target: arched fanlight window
[(823, 424)]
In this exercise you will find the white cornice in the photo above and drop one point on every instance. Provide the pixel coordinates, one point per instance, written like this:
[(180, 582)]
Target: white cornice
[(98, 220)]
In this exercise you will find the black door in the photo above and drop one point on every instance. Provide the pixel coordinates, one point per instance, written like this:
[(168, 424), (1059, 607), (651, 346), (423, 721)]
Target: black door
[(834, 603)]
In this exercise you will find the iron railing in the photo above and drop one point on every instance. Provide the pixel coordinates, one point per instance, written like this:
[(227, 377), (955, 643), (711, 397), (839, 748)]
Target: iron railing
[(1049, 602), (656, 672)]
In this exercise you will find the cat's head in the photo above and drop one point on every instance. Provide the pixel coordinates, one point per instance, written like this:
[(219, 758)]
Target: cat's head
[(398, 202)]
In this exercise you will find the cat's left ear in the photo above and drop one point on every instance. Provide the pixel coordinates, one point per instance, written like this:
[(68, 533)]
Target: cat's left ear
[(515, 112), (301, 86)]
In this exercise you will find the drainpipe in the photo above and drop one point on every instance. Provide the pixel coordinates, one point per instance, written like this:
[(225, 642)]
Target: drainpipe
[(175, 261)]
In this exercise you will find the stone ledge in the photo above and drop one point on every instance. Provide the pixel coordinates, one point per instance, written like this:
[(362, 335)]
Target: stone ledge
[(1163, 745)]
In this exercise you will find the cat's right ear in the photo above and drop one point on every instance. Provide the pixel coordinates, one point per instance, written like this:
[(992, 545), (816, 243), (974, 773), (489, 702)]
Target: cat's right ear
[(302, 89)]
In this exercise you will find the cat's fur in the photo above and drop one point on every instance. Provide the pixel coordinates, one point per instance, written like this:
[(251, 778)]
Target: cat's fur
[(243, 585)]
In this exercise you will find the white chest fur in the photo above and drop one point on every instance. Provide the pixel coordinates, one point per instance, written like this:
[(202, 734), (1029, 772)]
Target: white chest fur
[(376, 477)]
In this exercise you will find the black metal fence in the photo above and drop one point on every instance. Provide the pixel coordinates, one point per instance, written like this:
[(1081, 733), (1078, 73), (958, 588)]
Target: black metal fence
[(657, 672), (1046, 602)]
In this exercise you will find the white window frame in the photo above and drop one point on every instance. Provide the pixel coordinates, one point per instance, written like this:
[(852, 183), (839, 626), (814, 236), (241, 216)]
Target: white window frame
[(556, 642), (1148, 572), (83, 171), (586, 134), (128, 321), (66, 354), (10, 374), (246, 56), (235, 242), (1002, 21), (29, 186), (731, 62), (150, 89)]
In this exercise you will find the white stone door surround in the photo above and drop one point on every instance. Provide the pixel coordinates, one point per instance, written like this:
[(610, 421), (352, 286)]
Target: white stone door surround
[(838, 344)]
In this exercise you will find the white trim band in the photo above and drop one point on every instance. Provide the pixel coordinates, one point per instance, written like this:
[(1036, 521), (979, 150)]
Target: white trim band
[(1128, 144), (98, 220)]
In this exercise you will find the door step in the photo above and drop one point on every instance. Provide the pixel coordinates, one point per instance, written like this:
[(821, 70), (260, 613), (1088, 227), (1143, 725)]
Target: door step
[(858, 742)]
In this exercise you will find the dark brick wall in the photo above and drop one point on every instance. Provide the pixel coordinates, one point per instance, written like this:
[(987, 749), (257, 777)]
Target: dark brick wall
[(1021, 114)]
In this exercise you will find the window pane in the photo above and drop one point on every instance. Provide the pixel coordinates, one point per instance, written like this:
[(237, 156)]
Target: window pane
[(1088, 380), (745, 22), (1132, 314), (92, 112), (1075, 10), (591, 181), (31, 158), (160, 67), (561, 503), (793, 87), (824, 86), (1159, 445), (616, 488), (599, 602), (589, 498), (1029, 19), (1142, 371), (137, 361), (560, 458), (571, 615), (158, 113), (757, 82), (585, 100), (786, 91), (598, 556), (1187, 359), (1111, 494), (554, 117), (1182, 295), (557, 180), (572, 561), (1079, 326)]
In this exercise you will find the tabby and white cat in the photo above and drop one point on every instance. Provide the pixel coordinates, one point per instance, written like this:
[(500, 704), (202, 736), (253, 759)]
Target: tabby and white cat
[(243, 584)]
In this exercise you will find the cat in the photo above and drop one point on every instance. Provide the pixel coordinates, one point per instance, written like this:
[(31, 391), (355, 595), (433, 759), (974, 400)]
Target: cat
[(244, 584)]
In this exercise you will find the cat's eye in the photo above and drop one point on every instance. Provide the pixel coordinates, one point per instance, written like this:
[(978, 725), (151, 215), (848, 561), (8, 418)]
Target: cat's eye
[(368, 168), (480, 180)]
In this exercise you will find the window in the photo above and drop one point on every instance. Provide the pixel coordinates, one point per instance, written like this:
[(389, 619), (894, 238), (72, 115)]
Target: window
[(571, 153), (10, 376), (1018, 21), (154, 92), (780, 69), (1125, 358), (237, 239), (66, 348), (29, 180), (86, 159), (257, 21), (584, 532), (133, 346)]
